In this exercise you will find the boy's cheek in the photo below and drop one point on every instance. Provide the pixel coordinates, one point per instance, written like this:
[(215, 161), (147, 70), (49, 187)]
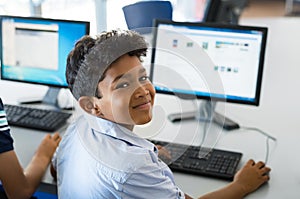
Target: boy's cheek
[(120, 108)]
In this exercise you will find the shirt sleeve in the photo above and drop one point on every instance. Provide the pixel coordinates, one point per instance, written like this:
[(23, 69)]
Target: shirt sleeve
[(152, 182), (6, 141)]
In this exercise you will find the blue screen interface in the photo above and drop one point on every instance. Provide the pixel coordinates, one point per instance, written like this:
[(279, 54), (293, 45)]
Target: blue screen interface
[(35, 50)]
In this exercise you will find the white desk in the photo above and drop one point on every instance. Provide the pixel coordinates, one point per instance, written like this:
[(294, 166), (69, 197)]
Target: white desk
[(277, 115)]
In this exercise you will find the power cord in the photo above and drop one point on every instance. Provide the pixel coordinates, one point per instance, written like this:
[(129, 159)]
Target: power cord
[(268, 136)]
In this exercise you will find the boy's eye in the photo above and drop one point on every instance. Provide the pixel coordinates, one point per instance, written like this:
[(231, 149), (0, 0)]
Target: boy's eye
[(144, 78), (127, 84), (122, 85)]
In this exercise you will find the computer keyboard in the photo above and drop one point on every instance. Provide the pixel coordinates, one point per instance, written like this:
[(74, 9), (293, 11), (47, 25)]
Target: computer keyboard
[(206, 162), (35, 118)]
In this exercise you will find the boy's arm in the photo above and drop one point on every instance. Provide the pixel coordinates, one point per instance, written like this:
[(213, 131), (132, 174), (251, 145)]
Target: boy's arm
[(247, 180), (22, 184)]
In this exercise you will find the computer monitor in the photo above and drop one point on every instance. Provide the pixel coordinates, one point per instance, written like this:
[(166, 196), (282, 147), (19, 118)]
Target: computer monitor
[(224, 11), (34, 50), (214, 62)]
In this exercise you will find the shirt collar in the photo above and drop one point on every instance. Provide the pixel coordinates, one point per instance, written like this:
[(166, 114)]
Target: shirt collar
[(117, 131)]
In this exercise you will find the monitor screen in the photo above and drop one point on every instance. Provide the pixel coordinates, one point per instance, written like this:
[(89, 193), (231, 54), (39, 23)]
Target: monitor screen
[(34, 50), (208, 61)]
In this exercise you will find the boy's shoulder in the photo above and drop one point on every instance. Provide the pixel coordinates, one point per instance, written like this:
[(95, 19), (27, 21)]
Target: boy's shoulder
[(100, 138)]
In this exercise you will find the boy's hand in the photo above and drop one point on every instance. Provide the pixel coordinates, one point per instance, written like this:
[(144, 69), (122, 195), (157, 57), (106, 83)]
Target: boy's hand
[(252, 176)]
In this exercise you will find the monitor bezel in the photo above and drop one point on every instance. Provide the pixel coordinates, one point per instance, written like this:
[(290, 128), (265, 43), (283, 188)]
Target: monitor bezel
[(264, 31), (87, 31)]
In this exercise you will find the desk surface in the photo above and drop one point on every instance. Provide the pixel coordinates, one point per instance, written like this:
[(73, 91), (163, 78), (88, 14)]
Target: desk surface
[(277, 115)]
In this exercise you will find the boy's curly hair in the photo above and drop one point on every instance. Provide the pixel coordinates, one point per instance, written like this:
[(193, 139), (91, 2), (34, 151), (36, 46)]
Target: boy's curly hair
[(91, 57)]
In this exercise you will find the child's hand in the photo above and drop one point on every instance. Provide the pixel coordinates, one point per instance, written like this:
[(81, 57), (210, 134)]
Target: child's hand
[(252, 176), (48, 145)]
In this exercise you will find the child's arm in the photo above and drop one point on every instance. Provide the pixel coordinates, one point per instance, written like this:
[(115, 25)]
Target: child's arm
[(22, 184), (247, 180)]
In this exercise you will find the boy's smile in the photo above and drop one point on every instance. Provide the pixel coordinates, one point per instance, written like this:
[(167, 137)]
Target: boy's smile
[(143, 105), (127, 94)]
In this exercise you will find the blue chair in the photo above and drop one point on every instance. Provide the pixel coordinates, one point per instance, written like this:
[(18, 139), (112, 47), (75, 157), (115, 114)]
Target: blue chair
[(140, 15)]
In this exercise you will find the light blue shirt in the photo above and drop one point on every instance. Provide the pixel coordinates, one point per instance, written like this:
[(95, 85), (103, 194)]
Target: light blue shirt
[(101, 159)]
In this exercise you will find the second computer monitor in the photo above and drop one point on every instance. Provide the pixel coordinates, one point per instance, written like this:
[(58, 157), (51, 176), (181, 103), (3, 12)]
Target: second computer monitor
[(208, 61)]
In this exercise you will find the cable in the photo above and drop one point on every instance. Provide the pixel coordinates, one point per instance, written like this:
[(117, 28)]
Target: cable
[(260, 131), (267, 140)]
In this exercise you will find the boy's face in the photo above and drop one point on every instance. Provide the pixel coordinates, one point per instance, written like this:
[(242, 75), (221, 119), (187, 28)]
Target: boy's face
[(127, 93)]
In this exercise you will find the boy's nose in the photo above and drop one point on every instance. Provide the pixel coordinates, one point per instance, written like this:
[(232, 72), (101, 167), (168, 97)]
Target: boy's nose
[(141, 91)]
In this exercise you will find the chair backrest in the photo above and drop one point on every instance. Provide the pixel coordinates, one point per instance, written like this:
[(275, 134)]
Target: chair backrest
[(140, 15)]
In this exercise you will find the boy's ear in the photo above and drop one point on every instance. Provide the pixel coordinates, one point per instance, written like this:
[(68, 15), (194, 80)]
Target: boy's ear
[(88, 104)]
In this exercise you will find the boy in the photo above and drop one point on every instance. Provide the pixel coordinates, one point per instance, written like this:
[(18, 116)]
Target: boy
[(16, 182), (100, 156)]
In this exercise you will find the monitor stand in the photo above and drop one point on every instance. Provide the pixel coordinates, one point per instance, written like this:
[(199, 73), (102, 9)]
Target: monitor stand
[(50, 99), (206, 113)]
